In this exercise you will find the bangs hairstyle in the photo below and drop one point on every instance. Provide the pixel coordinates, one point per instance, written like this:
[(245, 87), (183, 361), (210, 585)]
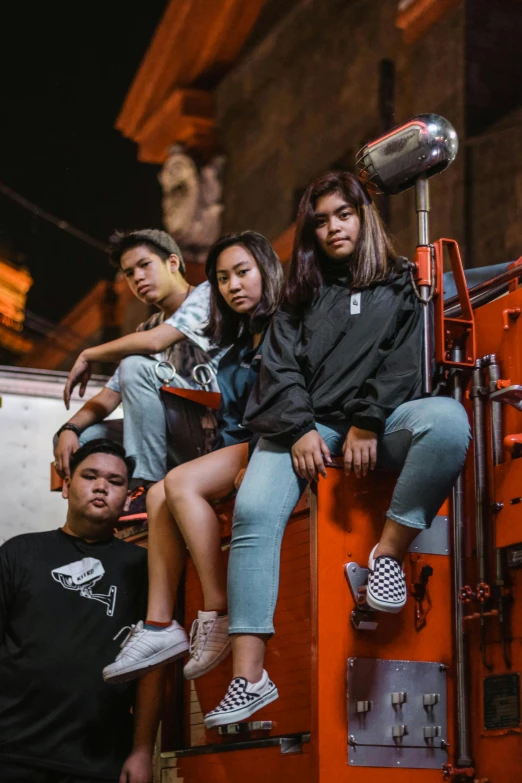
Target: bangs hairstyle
[(225, 326), (373, 255)]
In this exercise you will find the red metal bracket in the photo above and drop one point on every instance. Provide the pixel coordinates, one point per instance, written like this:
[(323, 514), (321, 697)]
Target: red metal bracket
[(453, 331), (423, 262), (510, 313), (466, 594), (449, 772), (483, 592), (208, 399)]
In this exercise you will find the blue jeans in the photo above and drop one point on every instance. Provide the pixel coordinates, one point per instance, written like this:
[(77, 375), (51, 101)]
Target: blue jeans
[(426, 440), (145, 432)]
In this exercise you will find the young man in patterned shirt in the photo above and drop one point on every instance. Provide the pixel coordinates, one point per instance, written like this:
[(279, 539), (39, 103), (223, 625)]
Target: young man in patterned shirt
[(153, 266)]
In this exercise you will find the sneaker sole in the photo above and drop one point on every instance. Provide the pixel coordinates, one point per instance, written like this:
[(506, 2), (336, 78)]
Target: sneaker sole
[(136, 670), (210, 666), (238, 715), (380, 606)]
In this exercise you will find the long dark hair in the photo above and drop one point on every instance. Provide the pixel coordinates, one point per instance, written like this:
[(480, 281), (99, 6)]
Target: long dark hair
[(225, 325), (373, 252)]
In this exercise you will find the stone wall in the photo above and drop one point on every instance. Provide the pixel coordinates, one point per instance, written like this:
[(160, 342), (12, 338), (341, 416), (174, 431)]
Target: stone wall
[(495, 192), (430, 78), (308, 96)]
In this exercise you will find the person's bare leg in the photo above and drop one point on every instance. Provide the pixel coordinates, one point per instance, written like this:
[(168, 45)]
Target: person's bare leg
[(395, 540), (248, 652), (166, 553), (189, 489)]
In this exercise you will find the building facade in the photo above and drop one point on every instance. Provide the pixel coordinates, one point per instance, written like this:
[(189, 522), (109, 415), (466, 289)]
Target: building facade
[(305, 83), (245, 101)]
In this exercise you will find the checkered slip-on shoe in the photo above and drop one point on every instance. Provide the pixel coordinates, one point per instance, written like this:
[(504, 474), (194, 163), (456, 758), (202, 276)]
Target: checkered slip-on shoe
[(386, 591), (241, 700)]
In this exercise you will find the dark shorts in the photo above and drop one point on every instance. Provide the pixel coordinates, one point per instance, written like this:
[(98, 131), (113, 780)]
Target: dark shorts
[(14, 773)]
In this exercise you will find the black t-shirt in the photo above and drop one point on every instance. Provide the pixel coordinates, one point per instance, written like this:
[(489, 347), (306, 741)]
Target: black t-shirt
[(62, 600)]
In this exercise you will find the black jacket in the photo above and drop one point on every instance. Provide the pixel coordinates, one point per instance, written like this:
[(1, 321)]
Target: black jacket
[(331, 365)]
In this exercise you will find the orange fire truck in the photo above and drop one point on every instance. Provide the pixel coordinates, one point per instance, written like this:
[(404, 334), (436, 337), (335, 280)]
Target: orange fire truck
[(433, 693)]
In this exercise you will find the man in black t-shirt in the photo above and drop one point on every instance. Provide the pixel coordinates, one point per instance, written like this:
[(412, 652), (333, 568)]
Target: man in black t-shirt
[(64, 596)]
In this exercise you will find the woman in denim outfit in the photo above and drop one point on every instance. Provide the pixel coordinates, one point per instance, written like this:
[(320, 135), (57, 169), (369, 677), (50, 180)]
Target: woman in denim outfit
[(246, 281)]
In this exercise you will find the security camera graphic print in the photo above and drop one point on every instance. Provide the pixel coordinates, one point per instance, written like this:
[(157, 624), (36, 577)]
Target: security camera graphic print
[(81, 576)]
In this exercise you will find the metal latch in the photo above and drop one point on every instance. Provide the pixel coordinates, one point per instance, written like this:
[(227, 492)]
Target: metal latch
[(399, 698), (430, 699), (363, 621), (363, 706), (363, 617), (430, 732), (293, 744), (399, 730)]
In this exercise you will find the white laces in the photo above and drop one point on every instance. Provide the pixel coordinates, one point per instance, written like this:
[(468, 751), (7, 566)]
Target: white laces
[(132, 630), (198, 634)]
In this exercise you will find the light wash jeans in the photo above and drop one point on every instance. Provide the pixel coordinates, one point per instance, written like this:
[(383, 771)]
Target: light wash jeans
[(427, 439), (144, 435)]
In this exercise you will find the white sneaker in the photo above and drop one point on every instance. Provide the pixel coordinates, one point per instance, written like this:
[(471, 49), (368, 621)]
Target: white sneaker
[(386, 591), (209, 644), (144, 649), (241, 700)]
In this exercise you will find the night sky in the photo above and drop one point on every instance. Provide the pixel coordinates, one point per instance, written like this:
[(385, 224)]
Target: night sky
[(65, 71)]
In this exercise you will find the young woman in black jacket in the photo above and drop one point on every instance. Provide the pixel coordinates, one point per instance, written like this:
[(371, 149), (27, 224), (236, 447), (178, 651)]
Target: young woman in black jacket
[(340, 374), (246, 281)]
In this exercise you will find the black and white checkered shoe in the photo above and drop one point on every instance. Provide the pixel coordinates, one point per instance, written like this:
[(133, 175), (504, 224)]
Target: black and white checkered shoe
[(386, 589), (241, 700)]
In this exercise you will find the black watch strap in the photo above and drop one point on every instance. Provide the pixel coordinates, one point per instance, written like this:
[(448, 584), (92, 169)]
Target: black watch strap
[(77, 431)]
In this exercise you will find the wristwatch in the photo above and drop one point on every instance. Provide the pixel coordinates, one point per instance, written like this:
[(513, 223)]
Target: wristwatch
[(77, 431)]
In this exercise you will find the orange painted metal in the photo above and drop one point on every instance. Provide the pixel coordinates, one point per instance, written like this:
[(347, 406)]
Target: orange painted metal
[(513, 444), (307, 657), (314, 639), (259, 765), (208, 399), (509, 314), (506, 345), (424, 264), (497, 754), (347, 520), (288, 661), (459, 330), (56, 479), (508, 493)]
